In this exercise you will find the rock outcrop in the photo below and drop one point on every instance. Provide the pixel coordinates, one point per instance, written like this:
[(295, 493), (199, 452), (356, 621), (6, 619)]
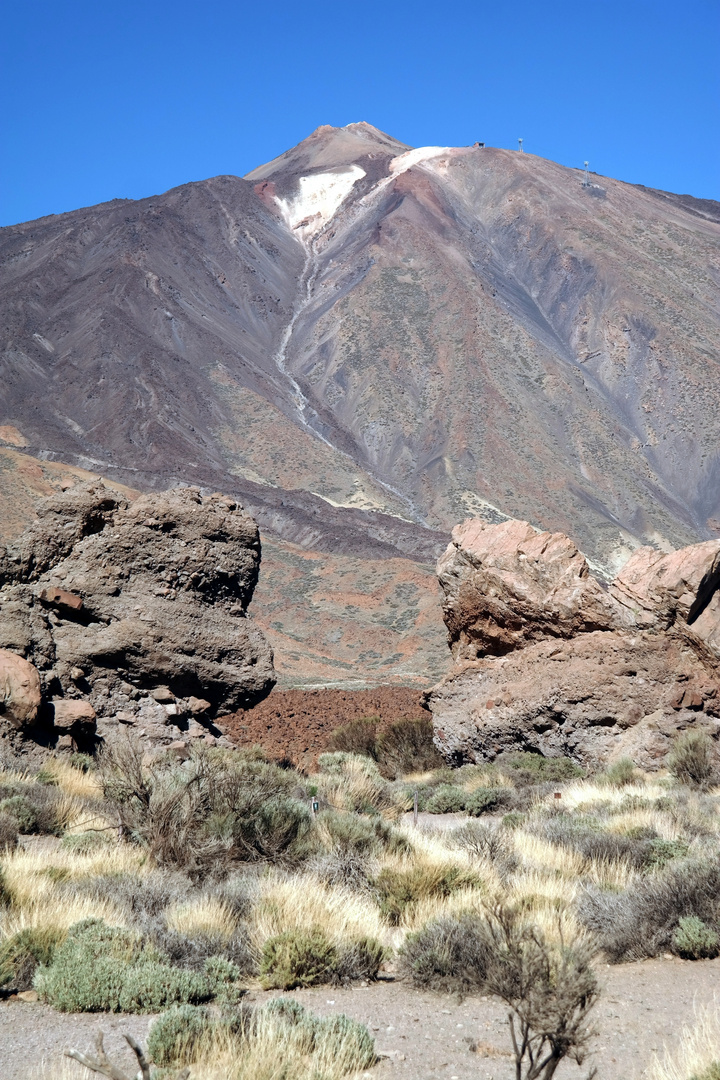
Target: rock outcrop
[(547, 659), (134, 613), (20, 696)]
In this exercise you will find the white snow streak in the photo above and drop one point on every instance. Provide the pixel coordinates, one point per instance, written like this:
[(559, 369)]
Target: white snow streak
[(318, 200), (415, 157)]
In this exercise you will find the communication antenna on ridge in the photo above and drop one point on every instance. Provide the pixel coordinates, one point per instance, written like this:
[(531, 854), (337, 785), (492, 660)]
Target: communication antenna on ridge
[(520, 142), (586, 179)]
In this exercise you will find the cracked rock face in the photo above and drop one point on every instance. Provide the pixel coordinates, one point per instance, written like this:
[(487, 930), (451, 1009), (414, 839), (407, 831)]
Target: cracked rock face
[(137, 610), (548, 660)]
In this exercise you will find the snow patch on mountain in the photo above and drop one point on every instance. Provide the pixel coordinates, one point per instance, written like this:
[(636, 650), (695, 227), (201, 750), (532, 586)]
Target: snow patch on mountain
[(318, 200), (415, 157)]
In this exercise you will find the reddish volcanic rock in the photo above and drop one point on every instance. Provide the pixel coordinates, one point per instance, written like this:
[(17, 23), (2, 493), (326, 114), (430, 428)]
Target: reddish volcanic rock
[(591, 674), (296, 725)]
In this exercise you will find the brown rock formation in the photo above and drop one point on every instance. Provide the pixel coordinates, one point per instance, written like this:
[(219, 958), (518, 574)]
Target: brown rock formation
[(547, 660), (137, 612), (20, 695)]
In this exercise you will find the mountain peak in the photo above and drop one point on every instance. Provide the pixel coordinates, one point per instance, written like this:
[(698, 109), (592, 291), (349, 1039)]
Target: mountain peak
[(330, 147)]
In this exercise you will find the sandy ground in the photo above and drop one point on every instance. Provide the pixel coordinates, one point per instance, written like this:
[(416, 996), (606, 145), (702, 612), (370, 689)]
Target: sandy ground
[(426, 1037)]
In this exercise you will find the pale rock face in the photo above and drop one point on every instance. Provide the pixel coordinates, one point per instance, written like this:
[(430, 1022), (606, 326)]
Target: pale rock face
[(548, 660), (20, 695)]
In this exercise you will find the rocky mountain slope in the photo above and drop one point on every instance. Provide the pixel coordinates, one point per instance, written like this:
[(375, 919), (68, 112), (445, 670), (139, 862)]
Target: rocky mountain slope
[(366, 343)]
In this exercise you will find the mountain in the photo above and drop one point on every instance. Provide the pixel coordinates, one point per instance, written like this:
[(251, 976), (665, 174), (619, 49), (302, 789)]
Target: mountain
[(367, 343)]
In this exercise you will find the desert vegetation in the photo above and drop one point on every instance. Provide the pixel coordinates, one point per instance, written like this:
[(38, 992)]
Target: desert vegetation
[(130, 884)]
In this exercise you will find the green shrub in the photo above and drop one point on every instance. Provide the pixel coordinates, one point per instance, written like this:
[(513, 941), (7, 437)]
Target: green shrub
[(102, 968), (359, 959), (663, 851), (446, 799), (274, 830), (691, 758), (620, 773), (84, 842), (534, 768), (356, 737), (695, 940), (641, 921), (407, 746), (21, 953), (297, 958), (174, 1036), (399, 889), (22, 810), (348, 1043), (514, 820), (447, 954), (359, 835), (487, 800)]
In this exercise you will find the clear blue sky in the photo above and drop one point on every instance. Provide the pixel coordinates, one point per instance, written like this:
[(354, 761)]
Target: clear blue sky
[(104, 99)]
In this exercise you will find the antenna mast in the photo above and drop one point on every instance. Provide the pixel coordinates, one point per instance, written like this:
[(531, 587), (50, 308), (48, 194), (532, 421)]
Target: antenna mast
[(586, 178), (520, 148)]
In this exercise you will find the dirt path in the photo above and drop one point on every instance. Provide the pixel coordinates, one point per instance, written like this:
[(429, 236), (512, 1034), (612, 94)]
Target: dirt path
[(427, 1037)]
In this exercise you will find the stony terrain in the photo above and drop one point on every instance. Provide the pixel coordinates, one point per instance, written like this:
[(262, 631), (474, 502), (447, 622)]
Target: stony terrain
[(296, 725), (549, 660)]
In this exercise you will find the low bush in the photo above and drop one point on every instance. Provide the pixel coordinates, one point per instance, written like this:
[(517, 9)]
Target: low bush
[(695, 940), (102, 968), (446, 799), (175, 1036), (529, 768), (620, 773), (484, 800), (448, 954), (640, 922), (399, 890), (83, 843), (297, 958), (691, 760), (407, 746), (484, 842), (21, 954), (217, 808), (23, 812), (356, 737), (281, 1038), (359, 959)]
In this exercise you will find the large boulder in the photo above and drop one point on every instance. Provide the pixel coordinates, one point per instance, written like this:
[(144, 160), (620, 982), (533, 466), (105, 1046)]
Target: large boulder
[(549, 660), (20, 695), (137, 610)]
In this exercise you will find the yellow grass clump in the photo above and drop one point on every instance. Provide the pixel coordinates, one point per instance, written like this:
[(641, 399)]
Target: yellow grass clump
[(536, 852), (696, 1052), (72, 781), (206, 915), (303, 901)]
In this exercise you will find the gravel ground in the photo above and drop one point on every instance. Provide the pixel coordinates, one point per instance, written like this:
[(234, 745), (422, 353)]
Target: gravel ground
[(643, 1006)]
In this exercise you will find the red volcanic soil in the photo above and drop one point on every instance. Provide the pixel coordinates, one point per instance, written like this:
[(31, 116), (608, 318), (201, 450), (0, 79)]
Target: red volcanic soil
[(296, 725)]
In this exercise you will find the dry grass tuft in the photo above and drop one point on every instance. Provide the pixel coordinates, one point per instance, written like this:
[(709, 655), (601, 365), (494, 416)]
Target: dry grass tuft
[(206, 915), (695, 1054), (303, 901)]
